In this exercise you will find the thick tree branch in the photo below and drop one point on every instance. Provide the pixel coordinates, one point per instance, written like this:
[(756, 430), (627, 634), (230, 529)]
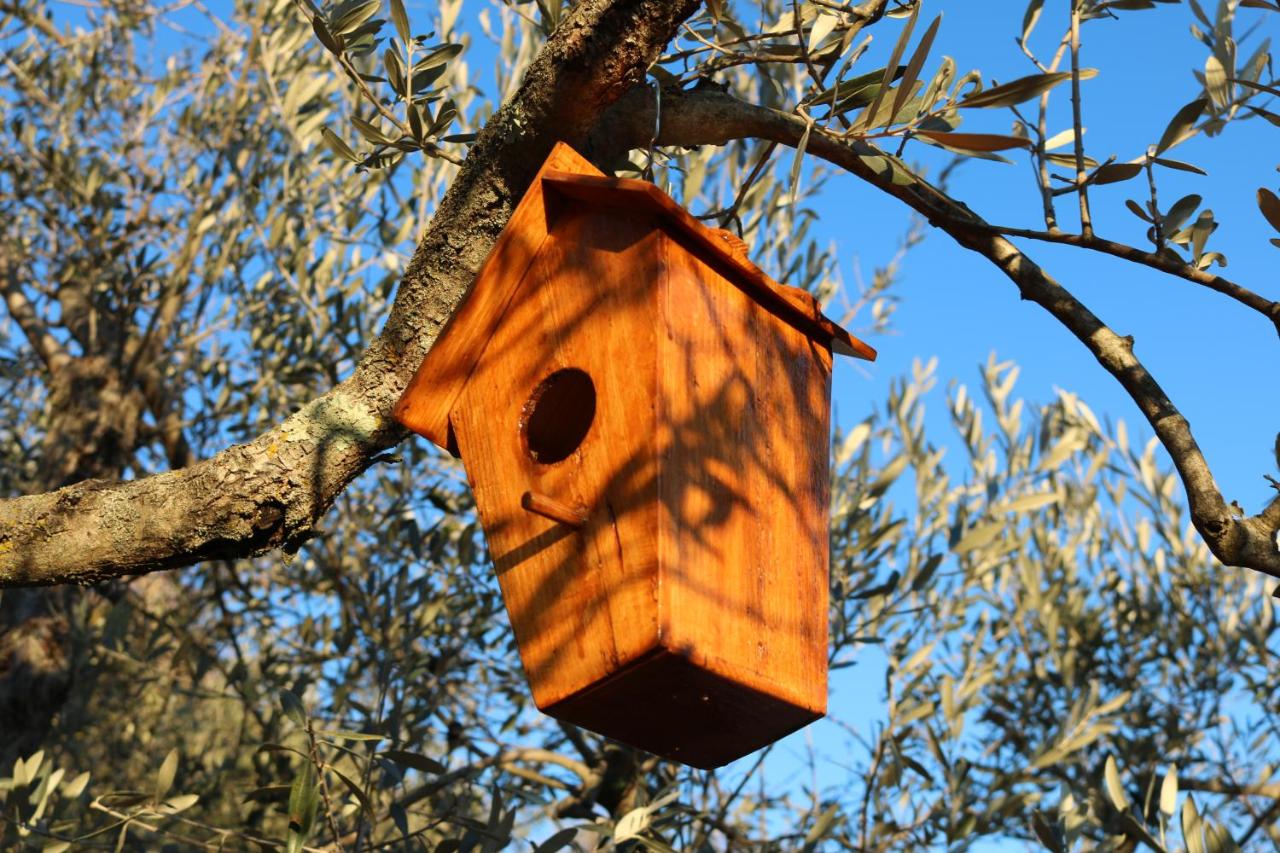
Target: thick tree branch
[(705, 117), (271, 492)]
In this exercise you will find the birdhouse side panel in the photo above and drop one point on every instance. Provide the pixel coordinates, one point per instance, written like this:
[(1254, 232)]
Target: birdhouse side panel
[(582, 601), (744, 485)]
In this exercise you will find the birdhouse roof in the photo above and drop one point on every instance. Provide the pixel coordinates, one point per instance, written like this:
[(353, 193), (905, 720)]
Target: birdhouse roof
[(567, 175)]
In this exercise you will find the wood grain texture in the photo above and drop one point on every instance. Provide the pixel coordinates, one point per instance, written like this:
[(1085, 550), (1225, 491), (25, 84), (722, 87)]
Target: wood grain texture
[(431, 394), (582, 603), (797, 307), (663, 558), (744, 431)]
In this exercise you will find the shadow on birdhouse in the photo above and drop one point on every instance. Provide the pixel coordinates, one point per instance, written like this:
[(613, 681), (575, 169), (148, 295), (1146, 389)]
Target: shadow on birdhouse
[(644, 419)]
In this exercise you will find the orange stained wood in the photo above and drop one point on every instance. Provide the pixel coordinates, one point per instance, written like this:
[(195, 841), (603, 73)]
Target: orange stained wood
[(425, 405), (582, 603), (743, 432), (644, 416)]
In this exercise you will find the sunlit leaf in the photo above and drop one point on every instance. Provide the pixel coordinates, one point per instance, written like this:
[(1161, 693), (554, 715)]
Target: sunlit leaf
[(1179, 165), (1169, 791), (1182, 125), (1030, 17), (401, 20), (977, 141), (164, 776), (1269, 204), (1115, 788), (1111, 173), (1023, 89)]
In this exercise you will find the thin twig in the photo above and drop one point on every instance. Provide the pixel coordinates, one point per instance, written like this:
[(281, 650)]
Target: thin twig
[(1086, 223)]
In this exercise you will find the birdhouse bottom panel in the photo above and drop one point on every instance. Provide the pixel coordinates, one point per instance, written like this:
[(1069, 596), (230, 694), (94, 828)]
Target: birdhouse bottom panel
[(667, 705)]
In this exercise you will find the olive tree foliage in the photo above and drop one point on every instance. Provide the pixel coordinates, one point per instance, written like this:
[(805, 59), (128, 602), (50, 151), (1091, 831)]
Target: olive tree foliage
[(201, 250)]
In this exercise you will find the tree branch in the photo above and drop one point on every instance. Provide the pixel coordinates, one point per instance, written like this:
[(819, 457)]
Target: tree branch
[(1163, 263), (271, 492), (46, 346), (704, 117)]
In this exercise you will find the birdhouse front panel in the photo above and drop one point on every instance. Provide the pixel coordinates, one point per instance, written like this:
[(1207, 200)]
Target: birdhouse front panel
[(562, 405), (643, 416)]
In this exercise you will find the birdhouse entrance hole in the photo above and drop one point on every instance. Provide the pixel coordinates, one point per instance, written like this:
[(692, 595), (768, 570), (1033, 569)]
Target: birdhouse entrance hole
[(558, 415)]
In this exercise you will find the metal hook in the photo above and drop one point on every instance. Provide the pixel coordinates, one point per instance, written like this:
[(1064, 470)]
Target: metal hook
[(657, 127)]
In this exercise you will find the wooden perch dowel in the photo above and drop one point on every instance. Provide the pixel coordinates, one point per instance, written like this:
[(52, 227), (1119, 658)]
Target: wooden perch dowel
[(553, 509)]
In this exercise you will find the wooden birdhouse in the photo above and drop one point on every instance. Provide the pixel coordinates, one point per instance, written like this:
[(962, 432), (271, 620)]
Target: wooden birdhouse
[(644, 420)]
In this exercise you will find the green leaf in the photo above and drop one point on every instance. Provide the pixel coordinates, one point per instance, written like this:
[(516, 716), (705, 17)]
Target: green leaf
[(1261, 87), (331, 42), (1112, 173), (1182, 125), (1200, 231), (395, 70), (1137, 210), (164, 777), (351, 20), (1215, 82), (356, 791), (268, 793), (76, 786), (852, 93), (413, 760), (337, 146), (437, 57), (371, 132), (1169, 791), (1270, 206), (1069, 160), (1047, 833), (1192, 826), (1115, 789), (401, 20), (1180, 212), (1030, 17), (899, 47), (798, 161), (444, 117), (914, 65), (976, 141), (822, 825), (1026, 503), (180, 803), (559, 841), (124, 799), (304, 803), (1058, 140), (1179, 165), (339, 734), (416, 130), (1023, 89), (978, 537), (823, 24), (289, 702)]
